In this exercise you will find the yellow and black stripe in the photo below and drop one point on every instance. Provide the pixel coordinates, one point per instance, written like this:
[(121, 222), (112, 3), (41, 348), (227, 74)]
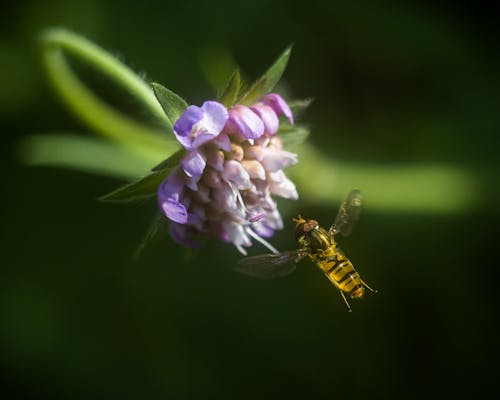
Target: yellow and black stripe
[(343, 275)]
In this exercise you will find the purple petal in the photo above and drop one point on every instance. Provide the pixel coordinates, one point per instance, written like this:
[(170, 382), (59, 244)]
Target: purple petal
[(273, 219), (192, 183), (193, 164), (179, 233), (198, 125), (257, 217), (268, 116), (267, 202), (184, 125), (194, 219), (276, 102), (197, 216), (222, 234), (174, 210), (172, 186), (245, 121), (201, 139), (234, 172), (262, 229), (224, 198), (236, 233), (215, 158), (215, 117), (223, 142)]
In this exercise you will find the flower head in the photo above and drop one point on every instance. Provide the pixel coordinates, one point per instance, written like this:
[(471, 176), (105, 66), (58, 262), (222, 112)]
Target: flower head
[(233, 166)]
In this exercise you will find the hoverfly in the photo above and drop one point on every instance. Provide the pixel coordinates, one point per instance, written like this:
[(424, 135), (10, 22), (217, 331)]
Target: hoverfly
[(319, 245)]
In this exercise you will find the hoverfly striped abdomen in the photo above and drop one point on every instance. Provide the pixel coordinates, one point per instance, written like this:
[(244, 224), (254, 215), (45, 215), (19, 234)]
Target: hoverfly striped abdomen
[(342, 274)]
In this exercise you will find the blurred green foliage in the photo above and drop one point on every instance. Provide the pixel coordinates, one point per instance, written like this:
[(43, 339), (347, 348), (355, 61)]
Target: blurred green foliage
[(395, 86)]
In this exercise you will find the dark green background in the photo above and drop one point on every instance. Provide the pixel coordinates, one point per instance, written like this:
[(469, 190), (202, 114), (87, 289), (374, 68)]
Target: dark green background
[(393, 83)]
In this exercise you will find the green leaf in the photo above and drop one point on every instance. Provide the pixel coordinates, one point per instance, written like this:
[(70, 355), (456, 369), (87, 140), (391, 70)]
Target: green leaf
[(170, 162), (293, 135), (267, 81), (172, 104), (146, 186), (140, 189), (230, 93), (158, 222), (299, 106)]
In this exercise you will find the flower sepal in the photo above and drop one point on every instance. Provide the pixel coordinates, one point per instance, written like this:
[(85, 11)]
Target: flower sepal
[(293, 135), (299, 106), (172, 104), (266, 82), (145, 186), (230, 94)]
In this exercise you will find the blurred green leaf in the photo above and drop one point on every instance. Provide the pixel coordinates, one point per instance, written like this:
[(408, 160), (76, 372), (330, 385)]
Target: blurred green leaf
[(173, 105), (230, 93), (293, 135), (170, 162), (299, 106), (83, 153), (216, 64), (267, 81)]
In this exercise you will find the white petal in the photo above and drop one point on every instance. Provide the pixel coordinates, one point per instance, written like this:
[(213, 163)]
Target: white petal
[(282, 186), (274, 160), (236, 174)]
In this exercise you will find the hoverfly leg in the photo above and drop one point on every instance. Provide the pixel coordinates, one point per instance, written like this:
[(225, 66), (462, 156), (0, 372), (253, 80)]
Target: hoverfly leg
[(368, 287), (346, 302)]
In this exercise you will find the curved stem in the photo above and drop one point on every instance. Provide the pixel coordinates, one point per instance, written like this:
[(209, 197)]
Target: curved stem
[(421, 188), (155, 144), (83, 153)]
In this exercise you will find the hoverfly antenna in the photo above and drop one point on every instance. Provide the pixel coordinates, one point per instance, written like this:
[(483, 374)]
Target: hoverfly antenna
[(299, 220)]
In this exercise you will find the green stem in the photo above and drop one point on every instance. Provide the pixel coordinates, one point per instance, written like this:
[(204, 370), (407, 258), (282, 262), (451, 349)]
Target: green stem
[(422, 188), (153, 143), (83, 153)]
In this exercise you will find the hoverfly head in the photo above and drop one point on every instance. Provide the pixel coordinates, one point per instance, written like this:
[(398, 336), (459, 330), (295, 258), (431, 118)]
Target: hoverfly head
[(302, 226)]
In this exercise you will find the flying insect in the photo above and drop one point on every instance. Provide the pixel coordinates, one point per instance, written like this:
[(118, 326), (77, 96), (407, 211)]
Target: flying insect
[(320, 246)]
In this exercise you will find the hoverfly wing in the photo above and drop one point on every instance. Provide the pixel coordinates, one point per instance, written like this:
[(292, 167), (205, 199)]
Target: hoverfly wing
[(267, 266), (348, 214)]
